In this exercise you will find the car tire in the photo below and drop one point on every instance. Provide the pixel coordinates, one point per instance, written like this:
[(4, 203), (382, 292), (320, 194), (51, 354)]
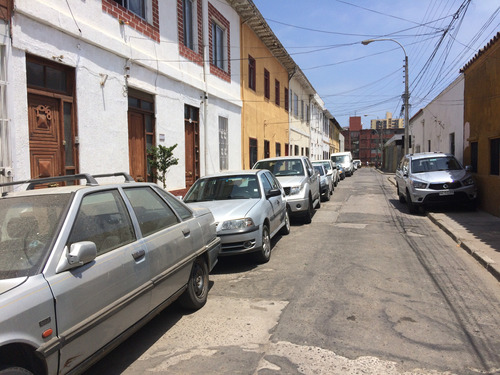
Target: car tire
[(14, 371), (285, 229), (411, 206), (264, 254), (327, 195), (400, 196), (195, 296), (309, 212)]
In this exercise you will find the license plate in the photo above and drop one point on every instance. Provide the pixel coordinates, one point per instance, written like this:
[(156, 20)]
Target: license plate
[(447, 192)]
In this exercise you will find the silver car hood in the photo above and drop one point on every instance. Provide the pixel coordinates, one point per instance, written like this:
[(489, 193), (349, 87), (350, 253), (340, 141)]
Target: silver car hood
[(8, 284), (287, 181), (441, 176), (228, 209)]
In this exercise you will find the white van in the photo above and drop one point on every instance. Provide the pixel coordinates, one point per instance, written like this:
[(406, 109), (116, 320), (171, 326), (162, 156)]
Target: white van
[(345, 160)]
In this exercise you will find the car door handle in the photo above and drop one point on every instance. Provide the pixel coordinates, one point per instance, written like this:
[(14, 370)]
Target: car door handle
[(186, 232), (138, 254)]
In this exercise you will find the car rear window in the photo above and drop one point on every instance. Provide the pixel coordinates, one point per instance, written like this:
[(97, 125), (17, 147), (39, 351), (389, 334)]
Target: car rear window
[(28, 226)]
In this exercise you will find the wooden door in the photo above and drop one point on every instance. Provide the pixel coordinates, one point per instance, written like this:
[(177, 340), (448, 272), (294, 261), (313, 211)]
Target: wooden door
[(45, 136), (192, 145), (137, 146)]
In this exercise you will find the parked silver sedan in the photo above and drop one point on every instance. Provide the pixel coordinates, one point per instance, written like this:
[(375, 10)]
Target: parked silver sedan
[(249, 208), (331, 169), (84, 266), (326, 183)]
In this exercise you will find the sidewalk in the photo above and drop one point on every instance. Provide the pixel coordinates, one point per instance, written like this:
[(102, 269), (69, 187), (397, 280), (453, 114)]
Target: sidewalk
[(477, 232)]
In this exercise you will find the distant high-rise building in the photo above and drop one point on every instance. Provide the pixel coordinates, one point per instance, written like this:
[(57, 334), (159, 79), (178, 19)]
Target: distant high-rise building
[(387, 123)]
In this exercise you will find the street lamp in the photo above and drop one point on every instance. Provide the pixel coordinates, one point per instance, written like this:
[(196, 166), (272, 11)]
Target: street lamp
[(406, 95)]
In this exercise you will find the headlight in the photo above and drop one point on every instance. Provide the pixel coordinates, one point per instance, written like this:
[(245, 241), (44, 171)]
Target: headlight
[(418, 184), (294, 190), (237, 224), (468, 181)]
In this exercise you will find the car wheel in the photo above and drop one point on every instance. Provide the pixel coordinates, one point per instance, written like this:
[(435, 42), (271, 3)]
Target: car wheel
[(264, 254), (411, 206), (400, 196), (285, 229), (309, 212), (195, 296), (14, 371), (327, 195)]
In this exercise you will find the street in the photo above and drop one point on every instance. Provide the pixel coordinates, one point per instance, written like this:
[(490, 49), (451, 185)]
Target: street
[(365, 288)]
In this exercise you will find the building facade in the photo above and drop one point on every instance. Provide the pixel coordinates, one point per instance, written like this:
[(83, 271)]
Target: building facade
[(388, 123), (482, 123), (104, 82)]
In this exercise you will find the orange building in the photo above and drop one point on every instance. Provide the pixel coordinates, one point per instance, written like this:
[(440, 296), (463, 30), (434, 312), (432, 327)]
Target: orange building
[(265, 70), (482, 124)]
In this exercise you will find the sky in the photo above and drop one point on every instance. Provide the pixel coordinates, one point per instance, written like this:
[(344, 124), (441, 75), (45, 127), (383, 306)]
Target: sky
[(324, 38)]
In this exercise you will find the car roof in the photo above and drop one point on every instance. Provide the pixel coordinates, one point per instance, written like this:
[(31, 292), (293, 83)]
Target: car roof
[(242, 172), (423, 155), (284, 158), (321, 161)]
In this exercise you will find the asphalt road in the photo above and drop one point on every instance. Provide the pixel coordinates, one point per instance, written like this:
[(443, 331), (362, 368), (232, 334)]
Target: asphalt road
[(365, 289)]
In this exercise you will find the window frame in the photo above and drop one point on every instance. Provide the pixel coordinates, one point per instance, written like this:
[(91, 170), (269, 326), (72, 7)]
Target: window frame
[(495, 156), (252, 73), (267, 84), (287, 100), (253, 151), (277, 89), (126, 5), (218, 46)]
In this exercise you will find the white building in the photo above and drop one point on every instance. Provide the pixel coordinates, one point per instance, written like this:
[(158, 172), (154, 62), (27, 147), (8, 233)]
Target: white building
[(88, 86), (440, 125), (300, 114), (317, 124)]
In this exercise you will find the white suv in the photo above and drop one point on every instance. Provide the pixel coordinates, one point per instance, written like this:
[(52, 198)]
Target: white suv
[(431, 178)]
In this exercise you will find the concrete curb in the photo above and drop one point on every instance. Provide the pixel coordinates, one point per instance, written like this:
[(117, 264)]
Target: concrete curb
[(482, 258)]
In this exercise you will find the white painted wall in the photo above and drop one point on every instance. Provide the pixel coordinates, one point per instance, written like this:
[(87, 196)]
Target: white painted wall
[(440, 118), (300, 133), (46, 28)]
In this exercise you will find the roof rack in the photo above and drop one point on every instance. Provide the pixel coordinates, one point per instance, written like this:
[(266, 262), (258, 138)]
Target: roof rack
[(91, 179), (127, 177)]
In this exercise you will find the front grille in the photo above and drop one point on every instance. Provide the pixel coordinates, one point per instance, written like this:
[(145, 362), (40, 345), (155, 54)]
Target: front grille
[(446, 186)]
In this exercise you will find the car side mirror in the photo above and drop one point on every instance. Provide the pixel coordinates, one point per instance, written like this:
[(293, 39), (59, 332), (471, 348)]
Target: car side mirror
[(310, 171), (273, 193), (79, 253)]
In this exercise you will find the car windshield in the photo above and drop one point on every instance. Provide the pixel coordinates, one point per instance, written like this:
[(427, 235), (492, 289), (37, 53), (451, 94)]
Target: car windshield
[(289, 167), (318, 168), (340, 159), (27, 228), (435, 164), (325, 164), (224, 187)]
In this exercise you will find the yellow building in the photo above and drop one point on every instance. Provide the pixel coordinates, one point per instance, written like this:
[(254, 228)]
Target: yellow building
[(264, 88), (482, 126)]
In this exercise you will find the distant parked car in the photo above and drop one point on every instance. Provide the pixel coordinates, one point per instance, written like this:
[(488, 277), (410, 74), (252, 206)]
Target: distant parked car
[(249, 208), (326, 182), (82, 267), (341, 172), (345, 160), (431, 178), (331, 169), (301, 183), (357, 163)]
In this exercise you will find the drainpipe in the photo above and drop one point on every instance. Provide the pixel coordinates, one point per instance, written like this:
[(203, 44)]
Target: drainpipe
[(206, 71)]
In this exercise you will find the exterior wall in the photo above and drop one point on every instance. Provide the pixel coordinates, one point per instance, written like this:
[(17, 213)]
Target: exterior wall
[(262, 119), (6, 99), (300, 132), (482, 120), (441, 118), (99, 42), (316, 125)]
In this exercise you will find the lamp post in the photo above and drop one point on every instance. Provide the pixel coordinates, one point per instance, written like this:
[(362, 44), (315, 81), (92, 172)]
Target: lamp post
[(406, 95)]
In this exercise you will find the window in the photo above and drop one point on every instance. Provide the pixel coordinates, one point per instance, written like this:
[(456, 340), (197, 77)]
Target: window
[(295, 105), (277, 92), (104, 220), (251, 72), (473, 156), (152, 212), (137, 7), (302, 109), (308, 114), (302, 151), (176, 203), (287, 100), (223, 144), (495, 156), (278, 149), (266, 150), (307, 151), (49, 76), (267, 89), (287, 149), (296, 150), (188, 23), (452, 143), (429, 145), (253, 151), (218, 46)]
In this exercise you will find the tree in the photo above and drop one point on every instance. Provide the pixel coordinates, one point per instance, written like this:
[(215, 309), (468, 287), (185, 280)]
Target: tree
[(160, 159)]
